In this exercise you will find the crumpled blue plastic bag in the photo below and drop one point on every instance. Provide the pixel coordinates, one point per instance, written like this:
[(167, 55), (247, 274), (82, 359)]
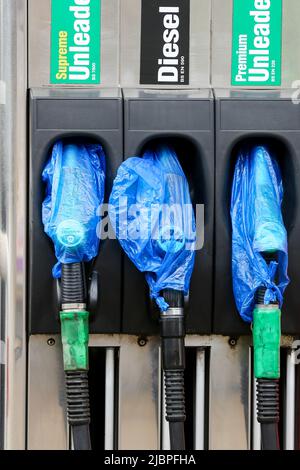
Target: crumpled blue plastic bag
[(75, 178), (257, 227), (159, 241)]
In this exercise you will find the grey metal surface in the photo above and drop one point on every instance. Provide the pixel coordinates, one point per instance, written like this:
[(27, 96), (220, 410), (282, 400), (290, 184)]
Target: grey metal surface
[(221, 43), (200, 33), (289, 425), (139, 395), (13, 83), (109, 399), (140, 406), (229, 395), (39, 42), (47, 426)]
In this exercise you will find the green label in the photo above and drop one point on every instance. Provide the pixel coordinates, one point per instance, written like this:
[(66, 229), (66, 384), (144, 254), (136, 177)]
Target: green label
[(75, 41), (256, 42)]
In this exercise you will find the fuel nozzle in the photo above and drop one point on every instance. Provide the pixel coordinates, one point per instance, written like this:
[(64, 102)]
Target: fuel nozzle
[(259, 272), (75, 337), (172, 330), (266, 342), (74, 176), (160, 239)]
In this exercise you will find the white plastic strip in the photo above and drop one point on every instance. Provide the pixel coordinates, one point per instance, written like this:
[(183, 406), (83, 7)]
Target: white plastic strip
[(289, 437), (109, 398), (200, 400)]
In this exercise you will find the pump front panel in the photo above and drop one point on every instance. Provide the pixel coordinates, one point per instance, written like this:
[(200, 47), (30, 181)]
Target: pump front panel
[(128, 75)]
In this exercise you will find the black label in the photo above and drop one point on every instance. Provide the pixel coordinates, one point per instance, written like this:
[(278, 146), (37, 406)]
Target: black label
[(165, 42)]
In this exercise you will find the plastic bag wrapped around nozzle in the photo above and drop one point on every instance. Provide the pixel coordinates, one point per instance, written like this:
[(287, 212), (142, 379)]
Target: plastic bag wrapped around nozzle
[(257, 227), (151, 211), (75, 178)]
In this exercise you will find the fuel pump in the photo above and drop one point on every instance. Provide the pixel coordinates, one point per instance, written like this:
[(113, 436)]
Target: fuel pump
[(74, 178), (259, 272), (151, 212)]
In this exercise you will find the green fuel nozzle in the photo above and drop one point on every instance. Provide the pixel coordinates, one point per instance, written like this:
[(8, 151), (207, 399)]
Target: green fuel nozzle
[(266, 332), (259, 272), (266, 341), (74, 176), (266, 344)]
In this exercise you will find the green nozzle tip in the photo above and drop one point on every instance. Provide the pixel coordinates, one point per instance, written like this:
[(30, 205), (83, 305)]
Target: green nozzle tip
[(266, 341), (75, 338)]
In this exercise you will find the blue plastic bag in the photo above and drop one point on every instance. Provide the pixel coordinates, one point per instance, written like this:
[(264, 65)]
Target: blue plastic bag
[(151, 212), (257, 227), (74, 177)]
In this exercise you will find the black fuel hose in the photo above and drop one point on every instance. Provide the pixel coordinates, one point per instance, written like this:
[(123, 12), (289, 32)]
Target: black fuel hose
[(73, 292), (173, 361)]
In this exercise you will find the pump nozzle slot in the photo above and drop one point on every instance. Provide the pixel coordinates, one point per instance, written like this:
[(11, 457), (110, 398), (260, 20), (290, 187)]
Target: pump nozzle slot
[(148, 115), (237, 129), (78, 117), (257, 230)]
